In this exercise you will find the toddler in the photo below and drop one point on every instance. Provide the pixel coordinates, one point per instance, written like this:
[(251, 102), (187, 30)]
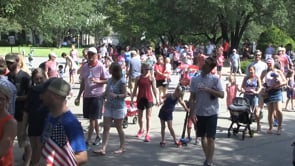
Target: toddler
[(168, 70)]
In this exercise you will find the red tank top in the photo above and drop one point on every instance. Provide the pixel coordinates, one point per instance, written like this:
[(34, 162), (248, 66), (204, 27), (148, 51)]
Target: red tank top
[(144, 89), (6, 159)]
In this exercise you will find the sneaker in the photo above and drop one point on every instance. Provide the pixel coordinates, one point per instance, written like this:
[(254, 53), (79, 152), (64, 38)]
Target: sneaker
[(140, 133), (207, 164), (197, 142), (97, 141), (189, 139), (147, 138)]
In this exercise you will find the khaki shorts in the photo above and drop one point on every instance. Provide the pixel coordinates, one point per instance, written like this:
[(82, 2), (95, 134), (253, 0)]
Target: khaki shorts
[(131, 83)]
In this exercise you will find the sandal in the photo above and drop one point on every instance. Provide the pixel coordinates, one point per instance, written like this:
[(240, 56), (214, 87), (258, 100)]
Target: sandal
[(119, 151), (279, 132), (178, 144), (99, 152), (269, 131), (162, 144)]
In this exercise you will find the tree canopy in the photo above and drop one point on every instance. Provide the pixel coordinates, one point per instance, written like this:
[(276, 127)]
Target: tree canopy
[(143, 21)]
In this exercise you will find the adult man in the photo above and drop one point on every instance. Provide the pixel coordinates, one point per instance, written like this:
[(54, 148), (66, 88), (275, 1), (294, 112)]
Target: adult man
[(93, 77), (134, 70), (21, 80), (269, 51), (63, 135), (51, 66), (205, 90), (5, 82), (258, 64), (234, 62)]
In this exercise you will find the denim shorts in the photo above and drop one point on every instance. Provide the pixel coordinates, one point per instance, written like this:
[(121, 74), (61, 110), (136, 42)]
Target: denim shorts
[(115, 113), (253, 99)]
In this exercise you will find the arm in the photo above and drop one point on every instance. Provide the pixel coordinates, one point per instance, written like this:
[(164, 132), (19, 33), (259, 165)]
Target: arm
[(243, 86), (81, 157), (182, 103), (134, 89), (155, 90), (9, 133), (81, 90), (214, 92), (123, 94), (192, 113)]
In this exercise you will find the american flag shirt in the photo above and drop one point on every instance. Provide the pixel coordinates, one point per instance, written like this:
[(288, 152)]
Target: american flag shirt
[(57, 150)]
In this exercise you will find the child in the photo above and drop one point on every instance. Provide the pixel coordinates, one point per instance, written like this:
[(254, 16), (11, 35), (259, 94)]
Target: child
[(231, 90), (220, 60), (168, 70), (190, 125), (166, 111), (60, 71), (290, 86)]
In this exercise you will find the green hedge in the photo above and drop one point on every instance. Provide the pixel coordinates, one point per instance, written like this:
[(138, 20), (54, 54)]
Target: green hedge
[(244, 64)]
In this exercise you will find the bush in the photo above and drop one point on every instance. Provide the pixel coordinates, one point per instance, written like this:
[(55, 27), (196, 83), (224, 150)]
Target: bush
[(245, 64), (275, 36)]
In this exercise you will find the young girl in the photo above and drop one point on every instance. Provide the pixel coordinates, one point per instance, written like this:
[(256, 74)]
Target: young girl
[(220, 60), (166, 111), (168, 70), (231, 90), (290, 86)]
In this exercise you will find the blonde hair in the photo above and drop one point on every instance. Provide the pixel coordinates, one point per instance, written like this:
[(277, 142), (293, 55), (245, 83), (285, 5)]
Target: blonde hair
[(180, 91), (232, 79), (23, 64)]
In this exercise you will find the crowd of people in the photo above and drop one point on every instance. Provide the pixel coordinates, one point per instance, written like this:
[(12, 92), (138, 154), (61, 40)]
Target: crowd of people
[(33, 105)]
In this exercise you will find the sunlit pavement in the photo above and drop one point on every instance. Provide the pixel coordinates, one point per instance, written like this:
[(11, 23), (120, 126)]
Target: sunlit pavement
[(263, 149)]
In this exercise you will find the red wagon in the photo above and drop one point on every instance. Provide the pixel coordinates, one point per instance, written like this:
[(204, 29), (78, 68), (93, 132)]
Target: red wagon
[(131, 112)]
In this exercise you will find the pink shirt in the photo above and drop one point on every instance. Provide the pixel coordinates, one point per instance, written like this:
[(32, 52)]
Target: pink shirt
[(159, 68), (220, 60), (99, 72), (51, 68), (231, 91)]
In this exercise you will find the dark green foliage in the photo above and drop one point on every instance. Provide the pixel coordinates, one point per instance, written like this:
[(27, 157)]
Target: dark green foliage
[(275, 36), (244, 64)]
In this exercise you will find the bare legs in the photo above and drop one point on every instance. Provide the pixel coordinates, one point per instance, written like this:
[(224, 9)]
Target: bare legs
[(106, 132), (208, 145), (275, 108), (93, 125), (171, 130)]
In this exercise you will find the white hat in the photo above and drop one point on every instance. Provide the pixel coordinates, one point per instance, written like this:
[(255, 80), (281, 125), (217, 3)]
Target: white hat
[(92, 49), (52, 54)]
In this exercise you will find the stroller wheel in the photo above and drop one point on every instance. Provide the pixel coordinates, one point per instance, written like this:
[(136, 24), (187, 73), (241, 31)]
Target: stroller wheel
[(228, 134), (125, 123), (134, 120)]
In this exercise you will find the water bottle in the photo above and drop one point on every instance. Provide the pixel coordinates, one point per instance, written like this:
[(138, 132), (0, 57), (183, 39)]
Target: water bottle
[(90, 76)]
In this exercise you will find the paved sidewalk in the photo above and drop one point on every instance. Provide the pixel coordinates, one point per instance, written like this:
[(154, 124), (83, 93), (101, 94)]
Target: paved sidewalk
[(263, 149)]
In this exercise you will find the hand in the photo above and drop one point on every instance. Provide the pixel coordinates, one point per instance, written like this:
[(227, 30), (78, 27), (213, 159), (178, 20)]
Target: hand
[(193, 117)]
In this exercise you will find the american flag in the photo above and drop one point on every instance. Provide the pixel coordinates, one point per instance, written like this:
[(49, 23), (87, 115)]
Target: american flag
[(57, 150)]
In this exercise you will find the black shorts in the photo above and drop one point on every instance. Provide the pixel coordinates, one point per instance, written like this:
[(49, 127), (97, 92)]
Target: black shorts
[(144, 104), (206, 126), (92, 107), (160, 83)]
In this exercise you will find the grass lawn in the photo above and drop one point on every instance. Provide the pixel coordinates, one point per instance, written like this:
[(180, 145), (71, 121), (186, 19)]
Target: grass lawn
[(38, 51)]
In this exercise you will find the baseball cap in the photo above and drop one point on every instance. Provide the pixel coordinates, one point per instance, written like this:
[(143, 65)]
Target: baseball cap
[(5, 91), (270, 60), (11, 58), (59, 87), (92, 49), (43, 87)]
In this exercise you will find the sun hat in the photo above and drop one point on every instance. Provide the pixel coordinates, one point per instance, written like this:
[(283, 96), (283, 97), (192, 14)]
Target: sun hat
[(59, 87), (52, 54), (92, 49)]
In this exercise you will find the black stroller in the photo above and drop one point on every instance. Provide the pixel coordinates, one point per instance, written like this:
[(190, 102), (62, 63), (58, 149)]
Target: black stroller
[(242, 116)]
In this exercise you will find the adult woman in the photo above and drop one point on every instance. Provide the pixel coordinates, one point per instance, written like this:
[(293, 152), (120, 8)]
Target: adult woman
[(159, 70), (273, 80), (251, 87), (8, 128), (115, 108), (145, 84), (35, 114)]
